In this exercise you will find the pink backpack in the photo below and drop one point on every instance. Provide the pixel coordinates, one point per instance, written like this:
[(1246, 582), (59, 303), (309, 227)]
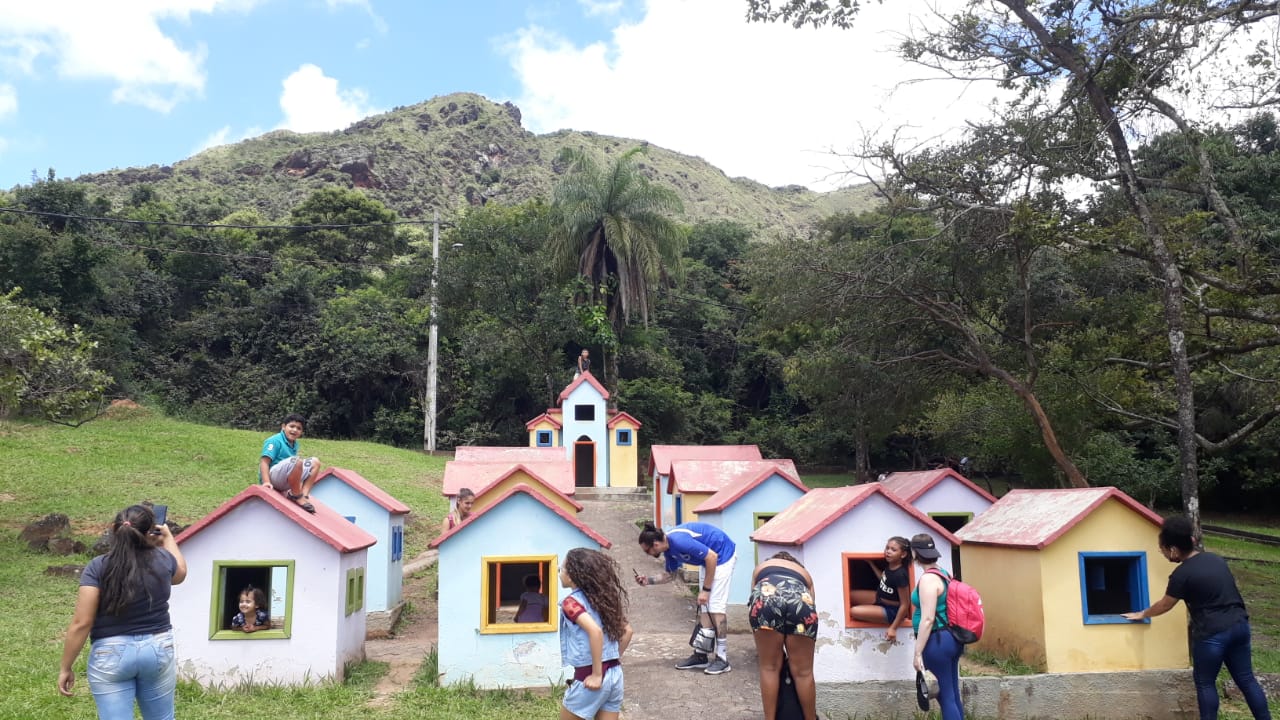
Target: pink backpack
[(965, 618)]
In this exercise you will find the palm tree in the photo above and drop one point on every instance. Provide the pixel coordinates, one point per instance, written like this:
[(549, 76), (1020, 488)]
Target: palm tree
[(613, 229)]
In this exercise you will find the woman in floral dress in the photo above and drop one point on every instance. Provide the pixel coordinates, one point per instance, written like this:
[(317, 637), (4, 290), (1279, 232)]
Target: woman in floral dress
[(783, 616)]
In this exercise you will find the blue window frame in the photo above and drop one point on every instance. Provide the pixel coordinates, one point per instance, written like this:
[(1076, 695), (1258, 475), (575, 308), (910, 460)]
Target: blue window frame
[(1112, 583), (679, 509), (544, 438), (624, 437), (397, 543)]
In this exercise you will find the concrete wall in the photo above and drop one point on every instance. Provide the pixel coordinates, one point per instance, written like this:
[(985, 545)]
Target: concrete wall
[(1012, 598), (664, 506), (1150, 695)]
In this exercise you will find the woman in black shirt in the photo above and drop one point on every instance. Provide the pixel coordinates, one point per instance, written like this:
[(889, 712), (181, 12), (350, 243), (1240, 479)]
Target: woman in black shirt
[(1219, 622)]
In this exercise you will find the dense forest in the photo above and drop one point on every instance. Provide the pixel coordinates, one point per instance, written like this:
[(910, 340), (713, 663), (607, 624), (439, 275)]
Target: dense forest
[(1048, 297)]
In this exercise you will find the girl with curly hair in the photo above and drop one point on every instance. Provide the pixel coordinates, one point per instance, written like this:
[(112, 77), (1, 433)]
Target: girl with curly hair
[(594, 633)]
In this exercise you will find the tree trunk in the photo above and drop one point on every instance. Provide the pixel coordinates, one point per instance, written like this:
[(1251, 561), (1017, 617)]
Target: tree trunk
[(861, 453), (1074, 477)]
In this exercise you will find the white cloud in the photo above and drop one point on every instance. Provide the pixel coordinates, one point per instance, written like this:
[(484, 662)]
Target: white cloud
[(224, 136), (8, 100), (600, 7), (312, 102), (120, 42), (767, 101)]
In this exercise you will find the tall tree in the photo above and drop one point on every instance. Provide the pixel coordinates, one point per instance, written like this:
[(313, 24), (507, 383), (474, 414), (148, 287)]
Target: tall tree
[(1090, 77), (614, 228)]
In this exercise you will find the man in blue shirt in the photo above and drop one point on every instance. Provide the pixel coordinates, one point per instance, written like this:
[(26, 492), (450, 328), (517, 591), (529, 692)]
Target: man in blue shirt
[(708, 547), (280, 468)]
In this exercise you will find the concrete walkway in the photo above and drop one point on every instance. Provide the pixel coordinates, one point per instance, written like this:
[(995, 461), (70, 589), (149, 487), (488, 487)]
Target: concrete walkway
[(662, 617)]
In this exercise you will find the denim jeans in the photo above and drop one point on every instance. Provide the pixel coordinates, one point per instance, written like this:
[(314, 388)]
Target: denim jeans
[(125, 668), (942, 658), (1233, 647)]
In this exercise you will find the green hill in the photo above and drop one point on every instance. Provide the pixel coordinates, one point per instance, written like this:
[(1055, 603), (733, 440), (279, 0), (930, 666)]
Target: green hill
[(449, 152)]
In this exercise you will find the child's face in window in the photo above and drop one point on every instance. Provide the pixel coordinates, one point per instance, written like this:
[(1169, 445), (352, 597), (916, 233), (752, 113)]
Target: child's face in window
[(247, 605), (464, 506), (292, 430), (893, 552)]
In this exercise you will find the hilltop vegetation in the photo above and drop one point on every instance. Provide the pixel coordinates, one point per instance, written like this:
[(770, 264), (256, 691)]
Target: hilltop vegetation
[(446, 154)]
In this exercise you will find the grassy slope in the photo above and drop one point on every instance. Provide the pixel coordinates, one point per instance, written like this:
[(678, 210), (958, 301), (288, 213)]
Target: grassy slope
[(91, 472)]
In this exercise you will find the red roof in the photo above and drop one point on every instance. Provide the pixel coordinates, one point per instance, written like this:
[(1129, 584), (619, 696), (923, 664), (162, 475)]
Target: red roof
[(712, 476), (737, 488), (1035, 518), (523, 488), (911, 485), (544, 416), (480, 477), (366, 488), (619, 417), (341, 534), (588, 378), (514, 454), (661, 456), (820, 507)]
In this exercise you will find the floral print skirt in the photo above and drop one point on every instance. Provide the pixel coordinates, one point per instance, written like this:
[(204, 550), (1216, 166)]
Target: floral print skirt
[(781, 602)]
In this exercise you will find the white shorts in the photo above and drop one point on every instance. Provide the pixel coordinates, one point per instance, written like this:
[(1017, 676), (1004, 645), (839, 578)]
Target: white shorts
[(719, 601), (279, 473)]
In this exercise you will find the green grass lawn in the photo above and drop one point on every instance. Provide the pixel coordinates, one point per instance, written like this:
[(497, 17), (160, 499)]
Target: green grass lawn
[(91, 472)]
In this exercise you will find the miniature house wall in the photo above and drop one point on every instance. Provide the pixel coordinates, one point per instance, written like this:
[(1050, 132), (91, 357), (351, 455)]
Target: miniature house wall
[(1057, 567), (492, 480), (833, 531), (546, 430), (376, 512), (761, 490), (693, 482), (314, 568), (951, 499), (486, 559), (624, 445), (600, 444), (662, 456)]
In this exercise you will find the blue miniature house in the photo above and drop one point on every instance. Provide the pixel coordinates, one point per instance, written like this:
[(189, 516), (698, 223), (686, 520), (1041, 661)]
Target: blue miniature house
[(756, 491), (373, 510), (662, 456), (486, 560)]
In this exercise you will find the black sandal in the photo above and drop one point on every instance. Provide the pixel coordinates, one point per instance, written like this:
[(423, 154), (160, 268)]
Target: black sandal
[(304, 505)]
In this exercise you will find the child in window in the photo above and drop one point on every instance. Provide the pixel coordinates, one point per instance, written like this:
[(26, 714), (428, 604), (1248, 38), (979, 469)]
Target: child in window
[(594, 633), (890, 602), (533, 604), (253, 614)]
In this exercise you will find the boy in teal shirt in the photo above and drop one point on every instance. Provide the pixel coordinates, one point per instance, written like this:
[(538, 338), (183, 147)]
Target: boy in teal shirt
[(280, 468)]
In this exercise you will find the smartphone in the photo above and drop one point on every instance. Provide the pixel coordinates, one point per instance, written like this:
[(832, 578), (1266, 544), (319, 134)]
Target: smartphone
[(161, 513)]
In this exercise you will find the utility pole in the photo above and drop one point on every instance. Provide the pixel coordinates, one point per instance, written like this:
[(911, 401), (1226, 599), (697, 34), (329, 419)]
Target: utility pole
[(429, 429)]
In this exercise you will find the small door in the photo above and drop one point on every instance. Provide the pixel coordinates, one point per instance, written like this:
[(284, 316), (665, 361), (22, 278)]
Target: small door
[(584, 463)]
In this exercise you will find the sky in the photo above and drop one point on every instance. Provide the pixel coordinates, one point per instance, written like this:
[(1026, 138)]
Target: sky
[(91, 85)]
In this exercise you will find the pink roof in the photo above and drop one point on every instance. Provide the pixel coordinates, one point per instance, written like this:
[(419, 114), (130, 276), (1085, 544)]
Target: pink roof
[(619, 417), (820, 507), (544, 416), (480, 477), (911, 485), (737, 488), (588, 378), (1035, 518), (523, 488), (712, 476), (366, 488), (661, 456), (341, 534), (515, 454)]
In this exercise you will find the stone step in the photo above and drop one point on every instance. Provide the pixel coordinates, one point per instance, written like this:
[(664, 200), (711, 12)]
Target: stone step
[(617, 494)]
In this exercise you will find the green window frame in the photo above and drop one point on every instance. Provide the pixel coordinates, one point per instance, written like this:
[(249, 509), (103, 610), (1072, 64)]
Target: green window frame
[(355, 589), (228, 579)]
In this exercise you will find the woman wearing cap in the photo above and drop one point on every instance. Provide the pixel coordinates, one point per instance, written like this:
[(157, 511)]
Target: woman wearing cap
[(936, 650)]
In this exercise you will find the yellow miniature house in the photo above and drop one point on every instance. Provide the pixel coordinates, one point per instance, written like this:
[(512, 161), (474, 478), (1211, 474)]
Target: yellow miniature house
[(1056, 568)]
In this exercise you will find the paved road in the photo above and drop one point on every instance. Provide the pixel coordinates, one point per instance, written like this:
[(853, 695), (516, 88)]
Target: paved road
[(662, 617)]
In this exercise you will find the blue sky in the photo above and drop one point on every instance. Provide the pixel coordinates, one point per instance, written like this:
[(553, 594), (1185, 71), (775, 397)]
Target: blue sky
[(90, 85)]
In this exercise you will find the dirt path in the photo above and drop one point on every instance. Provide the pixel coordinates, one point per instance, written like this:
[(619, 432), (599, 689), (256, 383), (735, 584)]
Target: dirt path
[(662, 617)]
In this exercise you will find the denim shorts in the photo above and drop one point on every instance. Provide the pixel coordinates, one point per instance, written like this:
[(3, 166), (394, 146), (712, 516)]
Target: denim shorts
[(586, 703)]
